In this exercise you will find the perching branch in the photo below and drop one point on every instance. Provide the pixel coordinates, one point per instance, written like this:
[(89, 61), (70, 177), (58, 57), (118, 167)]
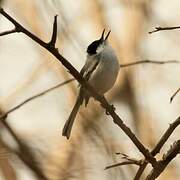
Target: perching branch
[(164, 29), (167, 158), (173, 96), (117, 120), (72, 79)]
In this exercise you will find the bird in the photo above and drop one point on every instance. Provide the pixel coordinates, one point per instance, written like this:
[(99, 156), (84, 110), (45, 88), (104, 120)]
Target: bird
[(100, 71)]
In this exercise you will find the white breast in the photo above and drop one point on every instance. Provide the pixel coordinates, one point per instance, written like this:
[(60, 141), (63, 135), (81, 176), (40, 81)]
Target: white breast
[(105, 75)]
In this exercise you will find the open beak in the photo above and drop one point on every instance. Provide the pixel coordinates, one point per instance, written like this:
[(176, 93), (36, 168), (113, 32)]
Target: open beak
[(102, 36), (107, 35)]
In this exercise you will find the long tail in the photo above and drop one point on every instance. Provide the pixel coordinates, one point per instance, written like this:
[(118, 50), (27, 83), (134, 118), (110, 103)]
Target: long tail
[(69, 123)]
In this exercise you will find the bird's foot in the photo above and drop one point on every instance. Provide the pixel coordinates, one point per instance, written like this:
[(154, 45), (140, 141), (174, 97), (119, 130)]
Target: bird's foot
[(113, 108)]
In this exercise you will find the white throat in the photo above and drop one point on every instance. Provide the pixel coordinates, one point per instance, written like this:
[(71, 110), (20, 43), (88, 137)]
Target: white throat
[(100, 48)]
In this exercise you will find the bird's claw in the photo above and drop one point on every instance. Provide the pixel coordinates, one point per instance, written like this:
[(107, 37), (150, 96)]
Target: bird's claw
[(113, 108)]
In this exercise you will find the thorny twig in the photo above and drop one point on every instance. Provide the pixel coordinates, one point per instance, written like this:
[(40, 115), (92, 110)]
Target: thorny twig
[(164, 29)]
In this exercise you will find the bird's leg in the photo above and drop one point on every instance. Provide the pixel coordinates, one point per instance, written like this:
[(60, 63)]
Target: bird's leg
[(112, 106)]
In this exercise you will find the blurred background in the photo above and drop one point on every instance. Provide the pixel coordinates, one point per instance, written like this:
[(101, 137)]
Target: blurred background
[(141, 94)]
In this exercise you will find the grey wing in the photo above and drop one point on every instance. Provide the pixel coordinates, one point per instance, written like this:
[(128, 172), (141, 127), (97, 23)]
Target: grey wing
[(89, 67)]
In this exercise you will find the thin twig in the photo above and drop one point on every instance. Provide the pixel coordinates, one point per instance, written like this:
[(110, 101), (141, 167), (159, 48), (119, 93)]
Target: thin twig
[(167, 158), (165, 136), (173, 96), (148, 61), (128, 161), (4, 115), (117, 120), (123, 163), (164, 29), (72, 79), (8, 32)]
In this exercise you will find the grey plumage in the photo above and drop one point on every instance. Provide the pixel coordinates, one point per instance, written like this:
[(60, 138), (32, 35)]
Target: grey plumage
[(100, 70)]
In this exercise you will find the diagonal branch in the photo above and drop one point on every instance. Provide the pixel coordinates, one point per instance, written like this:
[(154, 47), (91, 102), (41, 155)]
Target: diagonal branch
[(116, 119), (167, 158), (72, 79), (54, 34), (173, 96), (165, 136), (164, 29)]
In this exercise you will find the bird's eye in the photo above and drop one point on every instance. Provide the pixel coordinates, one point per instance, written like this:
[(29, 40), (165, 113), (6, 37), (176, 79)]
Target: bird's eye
[(92, 48)]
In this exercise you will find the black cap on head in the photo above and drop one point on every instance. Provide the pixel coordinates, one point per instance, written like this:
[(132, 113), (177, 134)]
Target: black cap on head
[(94, 45)]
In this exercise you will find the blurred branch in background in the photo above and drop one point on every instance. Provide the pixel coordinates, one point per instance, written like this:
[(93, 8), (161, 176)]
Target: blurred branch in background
[(157, 29), (173, 96), (70, 80), (24, 152), (5, 114)]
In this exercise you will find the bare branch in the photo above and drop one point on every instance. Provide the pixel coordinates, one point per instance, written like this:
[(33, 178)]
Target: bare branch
[(158, 146), (164, 29), (140, 170), (165, 136), (123, 163), (4, 115), (54, 34), (128, 161), (148, 61), (8, 32), (24, 153), (173, 96), (167, 158), (116, 119)]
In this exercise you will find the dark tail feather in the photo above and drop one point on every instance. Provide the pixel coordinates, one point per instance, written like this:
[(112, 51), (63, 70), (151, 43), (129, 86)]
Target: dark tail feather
[(69, 123)]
